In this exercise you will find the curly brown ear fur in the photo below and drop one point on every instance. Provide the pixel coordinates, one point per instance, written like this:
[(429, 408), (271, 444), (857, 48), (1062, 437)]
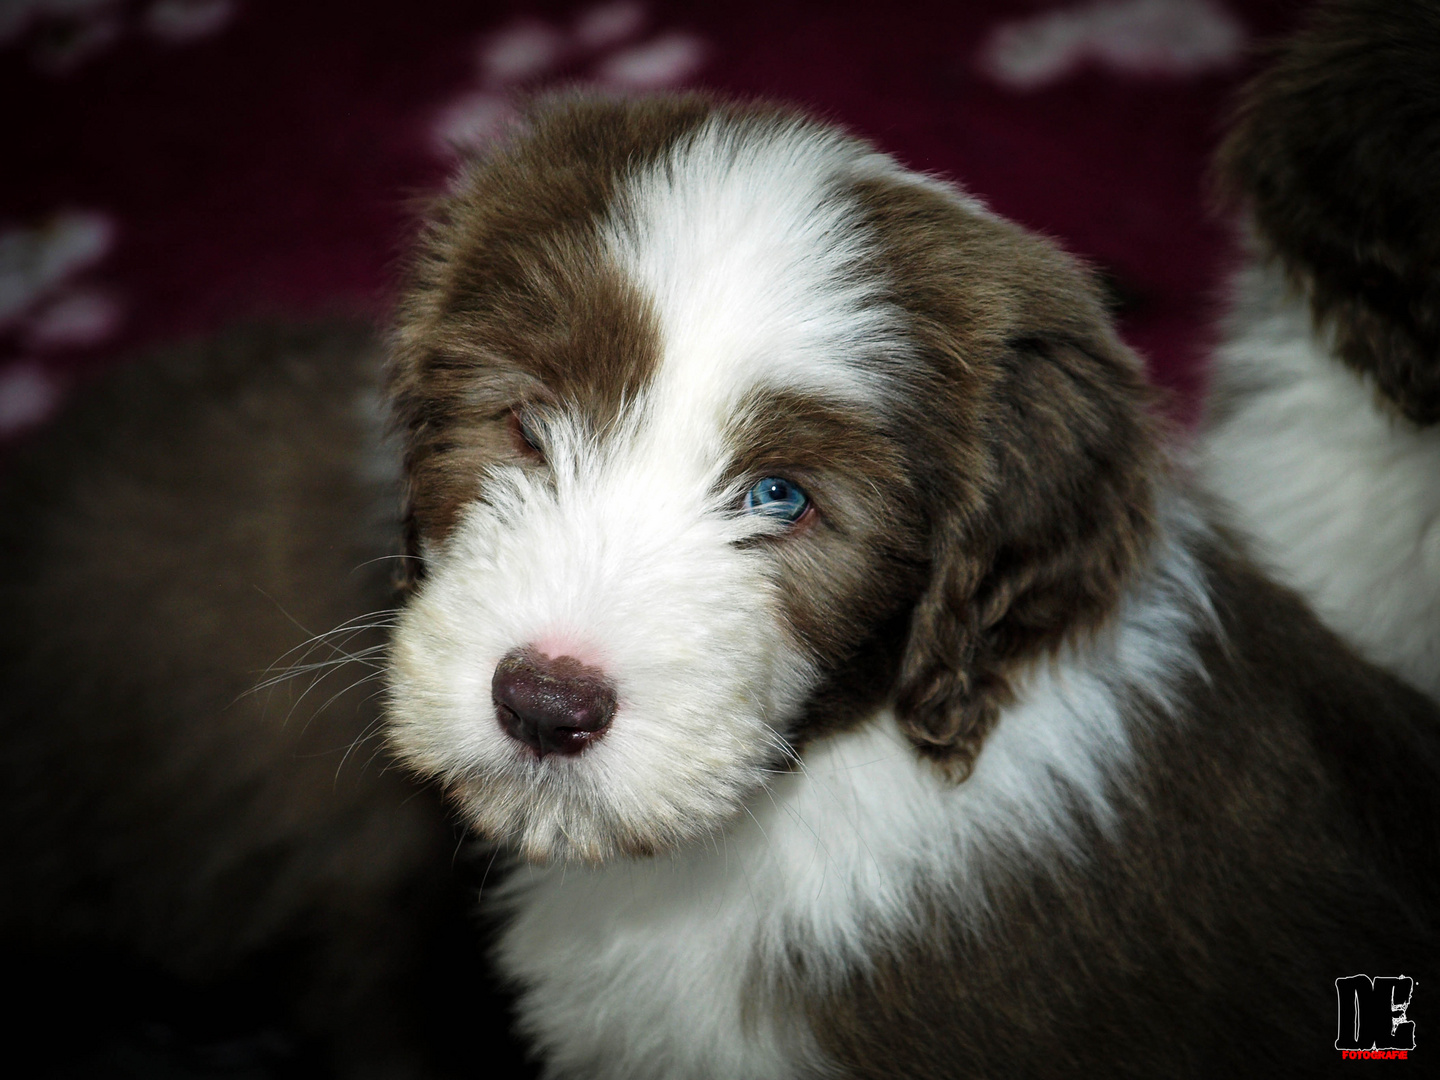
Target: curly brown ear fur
[(1067, 519), (1040, 465), (1335, 149)]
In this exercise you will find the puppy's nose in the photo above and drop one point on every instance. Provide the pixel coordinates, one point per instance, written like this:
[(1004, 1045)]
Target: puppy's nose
[(554, 705)]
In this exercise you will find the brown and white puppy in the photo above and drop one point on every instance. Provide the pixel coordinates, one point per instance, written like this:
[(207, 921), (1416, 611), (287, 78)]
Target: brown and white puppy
[(803, 596), (170, 546), (1324, 425)]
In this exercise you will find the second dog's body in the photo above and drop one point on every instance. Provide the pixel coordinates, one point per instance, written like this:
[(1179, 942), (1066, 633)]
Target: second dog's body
[(1323, 430), (1340, 490), (190, 784)]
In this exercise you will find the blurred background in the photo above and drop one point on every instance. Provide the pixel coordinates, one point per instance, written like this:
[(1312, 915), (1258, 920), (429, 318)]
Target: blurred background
[(175, 165)]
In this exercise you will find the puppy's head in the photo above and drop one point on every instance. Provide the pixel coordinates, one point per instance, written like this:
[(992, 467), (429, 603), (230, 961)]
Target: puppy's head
[(722, 431), (1335, 150)]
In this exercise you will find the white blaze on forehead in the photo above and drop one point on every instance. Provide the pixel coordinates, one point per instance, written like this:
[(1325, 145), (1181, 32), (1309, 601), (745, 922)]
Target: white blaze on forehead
[(751, 251)]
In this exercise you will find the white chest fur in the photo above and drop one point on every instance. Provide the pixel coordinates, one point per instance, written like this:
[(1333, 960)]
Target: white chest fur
[(643, 968)]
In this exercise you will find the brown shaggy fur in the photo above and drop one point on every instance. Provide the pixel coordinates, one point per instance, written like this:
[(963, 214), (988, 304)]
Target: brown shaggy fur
[(1335, 149), (847, 597), (1203, 936), (508, 292), (1039, 457)]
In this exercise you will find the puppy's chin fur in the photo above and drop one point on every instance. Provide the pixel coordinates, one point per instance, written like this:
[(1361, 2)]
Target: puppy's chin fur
[(780, 907)]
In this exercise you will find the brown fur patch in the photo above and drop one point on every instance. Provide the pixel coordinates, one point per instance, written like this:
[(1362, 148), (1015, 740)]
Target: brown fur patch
[(1260, 854), (1035, 456), (848, 578), (510, 296), (1335, 150)]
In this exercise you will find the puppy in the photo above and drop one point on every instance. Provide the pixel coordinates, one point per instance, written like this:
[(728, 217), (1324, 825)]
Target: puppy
[(187, 792), (801, 594), (1322, 430)]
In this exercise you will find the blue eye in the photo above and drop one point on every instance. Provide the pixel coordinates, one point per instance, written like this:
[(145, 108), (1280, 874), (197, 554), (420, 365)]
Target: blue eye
[(524, 437), (776, 497), (528, 434)]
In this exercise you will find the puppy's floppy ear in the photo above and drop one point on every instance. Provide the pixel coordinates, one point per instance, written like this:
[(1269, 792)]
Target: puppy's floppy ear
[(1335, 149), (1066, 518), (1040, 468), (411, 423)]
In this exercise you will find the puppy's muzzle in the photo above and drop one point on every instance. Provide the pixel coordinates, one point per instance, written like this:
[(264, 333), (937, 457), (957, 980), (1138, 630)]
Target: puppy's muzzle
[(553, 705)]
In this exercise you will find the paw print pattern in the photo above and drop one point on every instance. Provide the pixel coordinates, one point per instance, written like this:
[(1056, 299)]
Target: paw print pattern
[(1174, 38), (602, 46), (63, 35), (47, 306)]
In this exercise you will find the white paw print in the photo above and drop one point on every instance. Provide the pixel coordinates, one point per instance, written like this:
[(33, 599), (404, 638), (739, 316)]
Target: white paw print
[(598, 47), (46, 307), (28, 395), (62, 35), (1173, 38)]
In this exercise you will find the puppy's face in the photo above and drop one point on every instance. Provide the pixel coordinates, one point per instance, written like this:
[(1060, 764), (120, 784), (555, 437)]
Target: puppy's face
[(698, 469)]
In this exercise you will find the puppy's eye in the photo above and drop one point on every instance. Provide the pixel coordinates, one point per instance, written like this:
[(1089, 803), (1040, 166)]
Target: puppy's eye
[(526, 441), (774, 496)]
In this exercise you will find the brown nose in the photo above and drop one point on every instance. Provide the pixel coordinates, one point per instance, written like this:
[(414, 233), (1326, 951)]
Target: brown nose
[(553, 705)]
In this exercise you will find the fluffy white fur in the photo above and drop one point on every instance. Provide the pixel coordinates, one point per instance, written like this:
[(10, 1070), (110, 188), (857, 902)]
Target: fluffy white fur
[(747, 252), (663, 967), (626, 561), (1341, 493)]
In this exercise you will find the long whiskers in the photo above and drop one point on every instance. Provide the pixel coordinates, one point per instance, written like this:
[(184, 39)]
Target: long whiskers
[(321, 655), (336, 640), (787, 750)]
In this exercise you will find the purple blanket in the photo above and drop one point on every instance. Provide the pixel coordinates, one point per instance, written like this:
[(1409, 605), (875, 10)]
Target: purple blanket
[(173, 165)]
